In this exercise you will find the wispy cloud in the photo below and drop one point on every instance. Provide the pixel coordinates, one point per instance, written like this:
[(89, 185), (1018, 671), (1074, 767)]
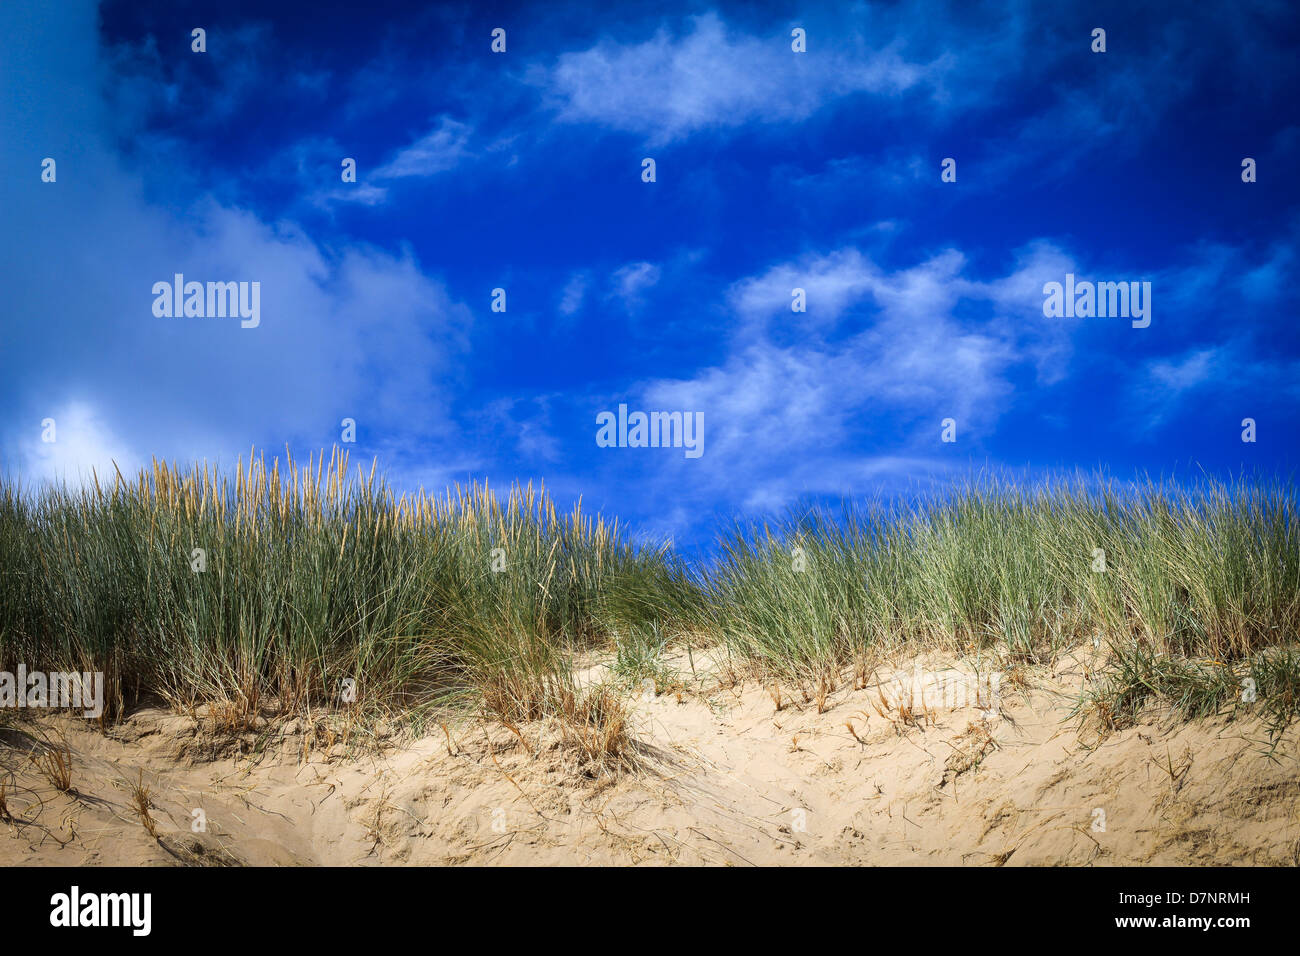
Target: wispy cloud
[(879, 360), (1252, 385), (629, 283), (714, 76), (439, 150), (1173, 378), (575, 290)]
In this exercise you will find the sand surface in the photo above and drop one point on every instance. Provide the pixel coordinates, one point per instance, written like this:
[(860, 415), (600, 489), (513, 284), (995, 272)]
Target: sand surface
[(722, 778)]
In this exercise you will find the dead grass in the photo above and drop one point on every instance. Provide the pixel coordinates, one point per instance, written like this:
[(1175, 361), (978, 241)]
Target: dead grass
[(141, 803), (54, 761), (596, 723)]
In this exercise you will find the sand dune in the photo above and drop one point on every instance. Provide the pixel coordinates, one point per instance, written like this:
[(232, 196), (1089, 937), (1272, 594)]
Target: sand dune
[(721, 777)]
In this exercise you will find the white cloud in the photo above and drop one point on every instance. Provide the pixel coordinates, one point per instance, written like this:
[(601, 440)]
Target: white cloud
[(1178, 375), (669, 86), (1162, 385), (574, 292), (879, 360), (830, 282), (345, 331), (84, 445), (439, 150), (631, 281), (363, 194)]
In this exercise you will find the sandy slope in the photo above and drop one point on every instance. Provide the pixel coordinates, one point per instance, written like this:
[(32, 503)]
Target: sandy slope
[(723, 778)]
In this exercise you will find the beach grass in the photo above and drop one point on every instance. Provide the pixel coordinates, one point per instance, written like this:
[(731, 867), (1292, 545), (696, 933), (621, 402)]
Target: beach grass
[(1195, 590), (317, 586), (290, 586)]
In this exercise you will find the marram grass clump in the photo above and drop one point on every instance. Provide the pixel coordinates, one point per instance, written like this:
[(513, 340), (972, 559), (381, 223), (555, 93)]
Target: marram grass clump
[(315, 586), (311, 586), (1196, 589)]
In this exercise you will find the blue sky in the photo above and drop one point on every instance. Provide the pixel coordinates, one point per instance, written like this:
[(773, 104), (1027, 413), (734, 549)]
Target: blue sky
[(775, 170)]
